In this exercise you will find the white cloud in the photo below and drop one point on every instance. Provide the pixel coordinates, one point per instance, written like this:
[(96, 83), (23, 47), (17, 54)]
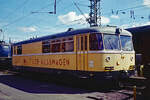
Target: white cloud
[(28, 29), (114, 16), (147, 3), (105, 20), (72, 18)]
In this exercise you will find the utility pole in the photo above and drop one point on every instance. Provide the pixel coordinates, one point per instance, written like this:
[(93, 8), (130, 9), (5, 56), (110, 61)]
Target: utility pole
[(94, 14), (55, 7)]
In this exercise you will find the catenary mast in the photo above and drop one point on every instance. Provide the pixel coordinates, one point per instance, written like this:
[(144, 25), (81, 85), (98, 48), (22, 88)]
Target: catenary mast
[(95, 13)]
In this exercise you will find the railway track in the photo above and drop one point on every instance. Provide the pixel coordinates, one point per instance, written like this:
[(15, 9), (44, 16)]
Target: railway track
[(94, 92)]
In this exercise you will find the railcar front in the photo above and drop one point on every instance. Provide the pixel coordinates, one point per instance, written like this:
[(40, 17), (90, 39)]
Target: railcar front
[(111, 54)]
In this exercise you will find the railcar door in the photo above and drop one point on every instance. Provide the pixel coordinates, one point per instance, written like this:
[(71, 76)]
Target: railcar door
[(82, 52)]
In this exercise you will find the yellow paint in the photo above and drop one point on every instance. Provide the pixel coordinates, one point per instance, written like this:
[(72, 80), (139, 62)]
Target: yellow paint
[(32, 48), (58, 61), (75, 47), (115, 61), (81, 54), (14, 50), (96, 62), (78, 60)]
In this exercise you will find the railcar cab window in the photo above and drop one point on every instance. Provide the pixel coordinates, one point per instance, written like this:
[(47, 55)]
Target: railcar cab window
[(126, 43), (111, 42), (19, 49), (96, 42), (46, 46)]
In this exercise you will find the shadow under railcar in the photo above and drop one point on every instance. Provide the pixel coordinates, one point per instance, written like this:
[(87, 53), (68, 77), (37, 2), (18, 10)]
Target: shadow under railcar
[(35, 86)]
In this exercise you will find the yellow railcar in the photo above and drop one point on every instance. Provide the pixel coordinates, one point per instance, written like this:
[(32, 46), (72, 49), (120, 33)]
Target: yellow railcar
[(97, 52)]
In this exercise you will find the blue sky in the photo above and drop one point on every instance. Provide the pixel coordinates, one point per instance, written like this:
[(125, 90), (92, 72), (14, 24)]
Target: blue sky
[(18, 23)]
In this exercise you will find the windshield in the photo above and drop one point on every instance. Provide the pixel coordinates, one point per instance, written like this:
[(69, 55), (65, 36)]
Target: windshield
[(111, 42), (126, 43)]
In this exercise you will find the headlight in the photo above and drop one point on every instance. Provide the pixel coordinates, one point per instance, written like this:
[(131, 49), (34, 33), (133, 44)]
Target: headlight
[(107, 59), (117, 63), (131, 58)]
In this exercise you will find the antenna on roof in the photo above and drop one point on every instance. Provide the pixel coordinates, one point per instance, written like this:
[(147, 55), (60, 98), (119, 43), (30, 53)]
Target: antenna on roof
[(70, 29)]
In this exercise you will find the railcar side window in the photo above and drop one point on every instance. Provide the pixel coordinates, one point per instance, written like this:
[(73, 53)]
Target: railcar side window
[(81, 43), (15, 49), (126, 43), (111, 42), (46, 46), (19, 50), (56, 46), (68, 45), (85, 42), (78, 43), (96, 42)]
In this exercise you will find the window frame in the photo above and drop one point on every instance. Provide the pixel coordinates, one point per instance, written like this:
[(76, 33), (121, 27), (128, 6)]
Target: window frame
[(15, 50), (101, 45), (67, 41), (119, 44), (125, 49), (53, 44), (19, 49), (46, 46)]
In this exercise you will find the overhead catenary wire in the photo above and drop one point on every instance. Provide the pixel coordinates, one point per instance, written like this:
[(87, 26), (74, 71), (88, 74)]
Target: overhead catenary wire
[(140, 18), (25, 16), (126, 9), (120, 10), (17, 8), (50, 12), (76, 21), (19, 19), (22, 17), (81, 11), (139, 6), (70, 22), (84, 5)]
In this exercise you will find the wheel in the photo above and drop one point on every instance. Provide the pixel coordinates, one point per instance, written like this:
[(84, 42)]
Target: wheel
[(118, 84), (146, 71)]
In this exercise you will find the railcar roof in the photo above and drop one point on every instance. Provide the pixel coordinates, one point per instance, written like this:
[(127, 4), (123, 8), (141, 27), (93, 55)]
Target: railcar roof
[(140, 29), (107, 30)]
